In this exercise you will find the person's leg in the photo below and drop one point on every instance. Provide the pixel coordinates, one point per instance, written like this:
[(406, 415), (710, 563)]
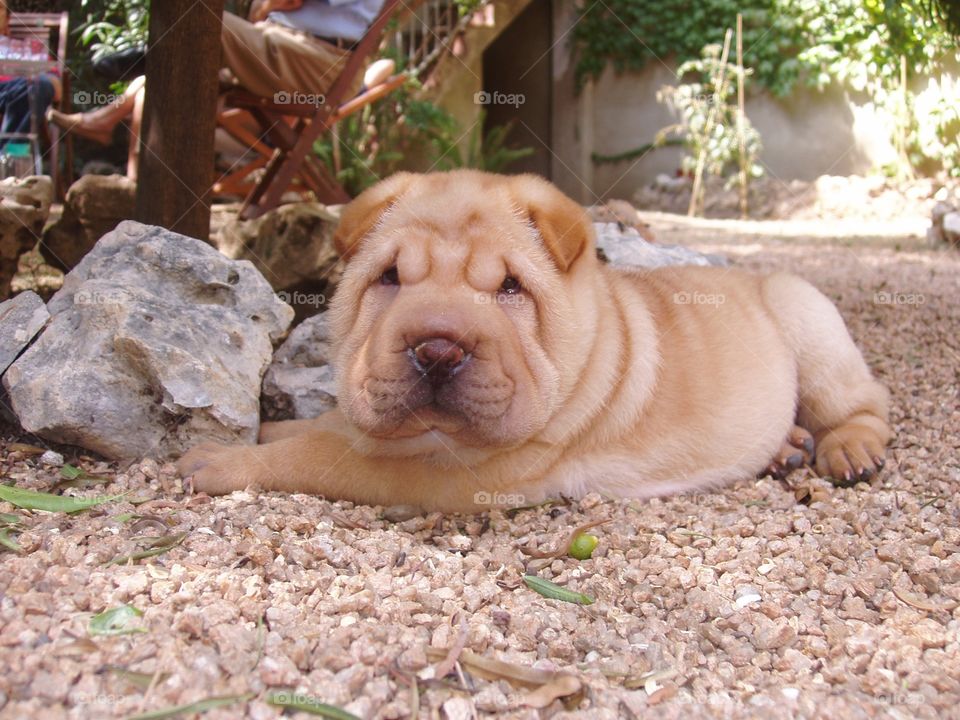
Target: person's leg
[(98, 124), (268, 58), (40, 94), (136, 121), (15, 105)]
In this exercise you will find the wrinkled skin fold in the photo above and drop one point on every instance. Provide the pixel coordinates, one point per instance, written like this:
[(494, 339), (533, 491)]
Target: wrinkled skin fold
[(484, 354)]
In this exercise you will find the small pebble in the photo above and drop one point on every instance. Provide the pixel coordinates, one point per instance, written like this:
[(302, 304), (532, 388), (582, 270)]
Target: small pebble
[(51, 458), (746, 595)]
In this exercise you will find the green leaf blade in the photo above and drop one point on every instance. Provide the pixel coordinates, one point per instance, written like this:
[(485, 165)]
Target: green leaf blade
[(116, 621), (8, 542), (308, 704), (555, 592), (201, 706), (33, 500)]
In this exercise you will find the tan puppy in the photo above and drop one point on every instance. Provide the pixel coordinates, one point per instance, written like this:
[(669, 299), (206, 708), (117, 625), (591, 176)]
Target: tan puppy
[(486, 357)]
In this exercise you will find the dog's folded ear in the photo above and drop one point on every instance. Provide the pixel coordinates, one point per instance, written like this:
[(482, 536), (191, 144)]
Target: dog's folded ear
[(564, 226), (358, 217)]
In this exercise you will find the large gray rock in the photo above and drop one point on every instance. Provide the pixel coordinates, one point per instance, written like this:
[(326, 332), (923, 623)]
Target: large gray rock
[(24, 208), (300, 383), (625, 247), (291, 245), (951, 227), (21, 318), (95, 205), (156, 342)]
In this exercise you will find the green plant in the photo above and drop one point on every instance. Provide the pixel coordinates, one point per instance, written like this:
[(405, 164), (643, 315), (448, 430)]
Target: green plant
[(857, 43), (628, 34), (483, 152), (706, 100), (785, 40), (110, 26), (374, 142), (934, 138), (405, 131)]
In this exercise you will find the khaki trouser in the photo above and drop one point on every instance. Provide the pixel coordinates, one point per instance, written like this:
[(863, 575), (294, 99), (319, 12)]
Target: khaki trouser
[(274, 61)]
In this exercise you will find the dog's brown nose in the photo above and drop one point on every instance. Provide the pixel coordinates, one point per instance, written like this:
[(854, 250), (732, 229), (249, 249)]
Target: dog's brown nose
[(438, 358)]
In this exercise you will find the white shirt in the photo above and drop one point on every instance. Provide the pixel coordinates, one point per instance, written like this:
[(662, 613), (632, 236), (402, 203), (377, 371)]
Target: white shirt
[(347, 19)]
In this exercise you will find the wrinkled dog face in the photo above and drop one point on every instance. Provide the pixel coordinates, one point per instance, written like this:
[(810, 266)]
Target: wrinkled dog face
[(455, 311)]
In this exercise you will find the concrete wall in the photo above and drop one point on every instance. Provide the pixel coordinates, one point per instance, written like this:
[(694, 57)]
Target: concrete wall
[(806, 135)]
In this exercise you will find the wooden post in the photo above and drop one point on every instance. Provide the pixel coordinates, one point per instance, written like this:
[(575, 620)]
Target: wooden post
[(904, 167), (719, 96), (176, 170), (741, 124)]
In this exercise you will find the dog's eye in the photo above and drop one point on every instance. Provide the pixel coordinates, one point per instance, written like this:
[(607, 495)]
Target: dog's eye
[(390, 276), (511, 286)]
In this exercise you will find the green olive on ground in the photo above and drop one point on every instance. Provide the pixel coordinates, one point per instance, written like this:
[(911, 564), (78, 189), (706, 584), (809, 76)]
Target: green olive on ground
[(583, 546)]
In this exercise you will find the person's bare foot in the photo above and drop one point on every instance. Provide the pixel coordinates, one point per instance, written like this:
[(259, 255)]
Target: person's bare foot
[(79, 124)]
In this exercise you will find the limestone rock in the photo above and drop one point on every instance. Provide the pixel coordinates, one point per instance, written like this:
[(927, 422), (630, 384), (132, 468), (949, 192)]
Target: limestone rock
[(24, 208), (156, 342), (623, 214), (935, 233), (291, 245), (951, 227), (625, 247), (95, 205), (21, 318), (300, 383)]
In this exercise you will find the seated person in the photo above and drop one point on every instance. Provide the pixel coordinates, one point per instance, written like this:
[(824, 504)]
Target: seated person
[(15, 92), (287, 46)]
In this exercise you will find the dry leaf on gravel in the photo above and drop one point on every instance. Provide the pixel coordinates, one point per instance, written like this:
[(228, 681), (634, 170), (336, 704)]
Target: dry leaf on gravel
[(562, 685), (548, 685)]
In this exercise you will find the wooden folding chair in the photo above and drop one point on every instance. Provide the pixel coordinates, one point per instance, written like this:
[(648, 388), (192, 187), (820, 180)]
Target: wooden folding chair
[(290, 131), (51, 30)]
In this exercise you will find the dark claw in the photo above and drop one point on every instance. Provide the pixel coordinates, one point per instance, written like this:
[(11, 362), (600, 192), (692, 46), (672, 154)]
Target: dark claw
[(880, 462), (794, 461), (865, 474), (808, 445), (848, 479)]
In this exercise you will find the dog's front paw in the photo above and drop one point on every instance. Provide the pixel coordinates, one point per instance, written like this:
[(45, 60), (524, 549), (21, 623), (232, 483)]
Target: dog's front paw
[(215, 469), (850, 454)]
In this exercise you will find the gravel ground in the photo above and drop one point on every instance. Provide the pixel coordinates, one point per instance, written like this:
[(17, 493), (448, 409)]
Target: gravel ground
[(768, 599)]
